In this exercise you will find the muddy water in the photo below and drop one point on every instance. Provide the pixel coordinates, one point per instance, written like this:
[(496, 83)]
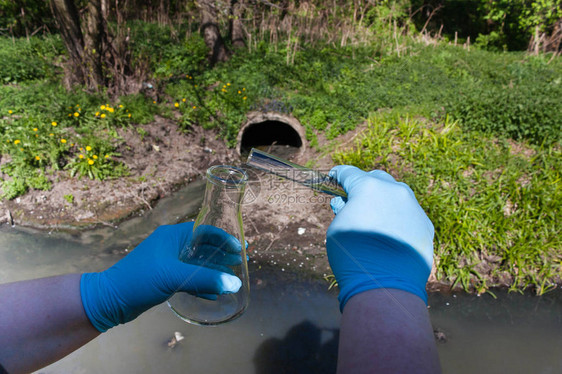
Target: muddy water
[(291, 325)]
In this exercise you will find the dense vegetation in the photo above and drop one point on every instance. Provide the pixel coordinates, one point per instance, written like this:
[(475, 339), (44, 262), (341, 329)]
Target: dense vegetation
[(474, 131)]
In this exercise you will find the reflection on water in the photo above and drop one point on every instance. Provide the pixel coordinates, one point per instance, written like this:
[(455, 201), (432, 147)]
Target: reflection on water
[(291, 325)]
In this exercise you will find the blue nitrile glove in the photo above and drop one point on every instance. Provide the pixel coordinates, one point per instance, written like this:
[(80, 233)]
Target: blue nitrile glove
[(380, 237), (150, 274), (214, 248)]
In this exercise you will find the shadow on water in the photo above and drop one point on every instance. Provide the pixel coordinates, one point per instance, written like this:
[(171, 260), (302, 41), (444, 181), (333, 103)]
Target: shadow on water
[(301, 350)]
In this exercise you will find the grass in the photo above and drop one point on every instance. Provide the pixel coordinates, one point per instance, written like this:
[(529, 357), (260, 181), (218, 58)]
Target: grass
[(496, 204), (330, 90)]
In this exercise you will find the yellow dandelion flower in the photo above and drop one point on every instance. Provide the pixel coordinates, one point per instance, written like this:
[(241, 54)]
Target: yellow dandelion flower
[(21, 149), (54, 124), (243, 88), (90, 162), (36, 135), (102, 107), (72, 144), (51, 134), (176, 104), (153, 101), (95, 157), (111, 110), (244, 98), (77, 105), (195, 86), (106, 156), (63, 141), (17, 141), (102, 115), (70, 114), (239, 92), (80, 156), (35, 129), (120, 106), (129, 115), (183, 100), (37, 158), (76, 114), (223, 90), (10, 112), (97, 114), (228, 84), (81, 149), (224, 86), (194, 107), (88, 148)]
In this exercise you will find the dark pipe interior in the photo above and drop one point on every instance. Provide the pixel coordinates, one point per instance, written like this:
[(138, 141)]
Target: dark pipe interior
[(268, 133)]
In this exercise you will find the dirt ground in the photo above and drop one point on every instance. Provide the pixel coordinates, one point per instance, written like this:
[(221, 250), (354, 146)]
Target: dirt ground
[(285, 223)]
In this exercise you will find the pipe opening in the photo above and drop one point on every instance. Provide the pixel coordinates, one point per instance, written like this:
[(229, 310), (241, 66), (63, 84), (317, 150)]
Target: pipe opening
[(273, 136)]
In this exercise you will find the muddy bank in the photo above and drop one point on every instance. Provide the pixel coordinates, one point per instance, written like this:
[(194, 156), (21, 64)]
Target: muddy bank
[(159, 163)]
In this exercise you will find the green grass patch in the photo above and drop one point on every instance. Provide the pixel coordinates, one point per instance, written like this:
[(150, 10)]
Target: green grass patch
[(24, 60), (330, 90), (496, 204)]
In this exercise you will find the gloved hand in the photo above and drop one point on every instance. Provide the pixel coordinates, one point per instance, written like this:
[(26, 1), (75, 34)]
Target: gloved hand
[(214, 248), (380, 237), (152, 272)]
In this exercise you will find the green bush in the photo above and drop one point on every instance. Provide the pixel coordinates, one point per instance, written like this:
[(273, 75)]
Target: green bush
[(522, 112), (22, 60)]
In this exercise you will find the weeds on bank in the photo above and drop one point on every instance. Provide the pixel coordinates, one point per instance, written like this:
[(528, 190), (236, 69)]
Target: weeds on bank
[(330, 90), (496, 204), (80, 138)]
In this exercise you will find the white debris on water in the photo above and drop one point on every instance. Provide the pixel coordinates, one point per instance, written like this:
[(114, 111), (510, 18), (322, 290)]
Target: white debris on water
[(178, 337)]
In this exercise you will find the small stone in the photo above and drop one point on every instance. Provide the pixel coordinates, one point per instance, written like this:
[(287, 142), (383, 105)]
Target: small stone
[(301, 230), (207, 150)]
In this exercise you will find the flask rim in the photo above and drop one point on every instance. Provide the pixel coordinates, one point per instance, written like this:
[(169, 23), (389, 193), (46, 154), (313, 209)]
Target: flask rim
[(227, 175)]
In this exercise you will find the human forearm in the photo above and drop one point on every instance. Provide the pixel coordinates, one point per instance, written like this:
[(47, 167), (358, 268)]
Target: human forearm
[(386, 331), (41, 321)]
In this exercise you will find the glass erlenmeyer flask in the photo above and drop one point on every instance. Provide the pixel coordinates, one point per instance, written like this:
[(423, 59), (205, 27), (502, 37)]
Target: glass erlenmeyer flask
[(218, 243)]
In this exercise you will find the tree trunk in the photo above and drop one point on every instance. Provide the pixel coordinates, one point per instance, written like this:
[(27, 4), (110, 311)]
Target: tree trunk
[(97, 59), (211, 32), (236, 28), (66, 14), (93, 50)]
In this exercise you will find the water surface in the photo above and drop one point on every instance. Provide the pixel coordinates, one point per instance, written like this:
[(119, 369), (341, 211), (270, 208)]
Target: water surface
[(292, 323)]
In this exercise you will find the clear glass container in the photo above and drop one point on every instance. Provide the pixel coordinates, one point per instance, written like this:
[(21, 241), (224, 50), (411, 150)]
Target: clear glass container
[(216, 243)]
